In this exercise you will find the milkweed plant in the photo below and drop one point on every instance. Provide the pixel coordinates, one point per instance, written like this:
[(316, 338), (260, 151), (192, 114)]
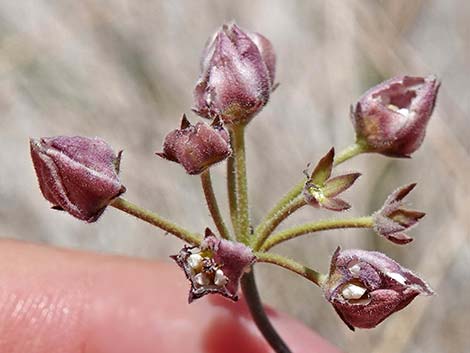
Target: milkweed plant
[(80, 175)]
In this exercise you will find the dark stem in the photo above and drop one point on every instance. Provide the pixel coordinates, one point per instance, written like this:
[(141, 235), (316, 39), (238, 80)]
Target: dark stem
[(250, 292)]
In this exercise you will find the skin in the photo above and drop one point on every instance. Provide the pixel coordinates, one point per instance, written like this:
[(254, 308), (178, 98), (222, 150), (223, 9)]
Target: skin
[(63, 301)]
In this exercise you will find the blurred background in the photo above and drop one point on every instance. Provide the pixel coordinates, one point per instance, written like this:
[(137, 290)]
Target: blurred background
[(124, 70)]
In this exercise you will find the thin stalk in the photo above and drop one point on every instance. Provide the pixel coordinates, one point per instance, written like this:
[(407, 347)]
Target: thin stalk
[(243, 217), (348, 153), (289, 264), (232, 187), (156, 220), (263, 231), (212, 204), (250, 292), (275, 239)]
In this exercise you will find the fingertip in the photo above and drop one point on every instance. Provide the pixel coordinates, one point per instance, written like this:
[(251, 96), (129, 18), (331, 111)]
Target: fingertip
[(60, 301)]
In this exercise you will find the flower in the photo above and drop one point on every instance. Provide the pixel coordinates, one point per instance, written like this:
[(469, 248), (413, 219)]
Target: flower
[(321, 189), (391, 220), (77, 174), (391, 117), (366, 287), (237, 75), (214, 267), (197, 147)]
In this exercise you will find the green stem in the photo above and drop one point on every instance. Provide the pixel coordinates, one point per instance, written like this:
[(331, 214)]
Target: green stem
[(361, 222), (156, 220), (289, 264), (243, 217), (232, 187), (348, 153), (265, 229), (212, 204), (250, 292)]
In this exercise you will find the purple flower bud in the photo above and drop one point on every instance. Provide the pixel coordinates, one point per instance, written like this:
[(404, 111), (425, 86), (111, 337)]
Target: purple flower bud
[(77, 174), (237, 75), (215, 267), (391, 117), (365, 287), (321, 189), (391, 220), (197, 147)]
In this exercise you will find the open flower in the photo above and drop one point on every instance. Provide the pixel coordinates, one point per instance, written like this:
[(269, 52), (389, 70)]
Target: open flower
[(77, 174), (215, 267), (237, 75), (321, 189), (391, 117), (391, 220), (197, 147), (365, 287)]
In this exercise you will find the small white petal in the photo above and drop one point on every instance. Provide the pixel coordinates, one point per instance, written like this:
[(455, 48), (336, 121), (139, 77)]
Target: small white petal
[(194, 261), (397, 277), (355, 270), (220, 279), (353, 291), (201, 279), (404, 111)]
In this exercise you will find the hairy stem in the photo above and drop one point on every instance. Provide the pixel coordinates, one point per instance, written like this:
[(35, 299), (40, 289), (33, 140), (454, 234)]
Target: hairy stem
[(250, 292), (348, 153), (289, 264), (212, 204), (156, 220), (360, 222), (265, 229), (232, 188), (243, 217)]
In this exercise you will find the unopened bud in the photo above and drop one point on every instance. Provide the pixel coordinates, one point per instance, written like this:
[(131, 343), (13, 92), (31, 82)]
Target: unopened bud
[(237, 75), (197, 147), (77, 174)]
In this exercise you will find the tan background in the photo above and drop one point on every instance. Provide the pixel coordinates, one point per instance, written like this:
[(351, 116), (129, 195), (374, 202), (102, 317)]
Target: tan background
[(124, 70)]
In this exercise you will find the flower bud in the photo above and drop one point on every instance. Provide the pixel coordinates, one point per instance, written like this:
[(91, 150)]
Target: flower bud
[(197, 147), (214, 267), (365, 287), (237, 75), (77, 174), (391, 117), (392, 219)]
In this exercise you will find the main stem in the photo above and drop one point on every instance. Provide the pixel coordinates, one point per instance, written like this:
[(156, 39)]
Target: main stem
[(156, 220), (243, 217), (212, 204), (232, 188), (250, 292), (239, 210)]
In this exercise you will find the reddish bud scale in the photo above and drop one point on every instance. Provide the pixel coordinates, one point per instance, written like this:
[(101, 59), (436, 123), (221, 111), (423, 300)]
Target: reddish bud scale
[(392, 219), (77, 174), (197, 147)]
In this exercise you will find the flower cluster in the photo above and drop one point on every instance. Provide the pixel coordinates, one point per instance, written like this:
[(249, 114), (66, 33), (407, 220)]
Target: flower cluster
[(80, 176)]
